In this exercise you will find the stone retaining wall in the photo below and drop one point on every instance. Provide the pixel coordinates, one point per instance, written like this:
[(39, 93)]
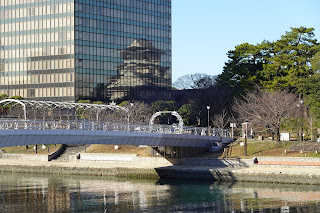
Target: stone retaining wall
[(170, 172), (74, 170), (130, 159), (133, 159), (32, 157), (35, 157), (294, 159), (107, 157), (224, 162), (152, 161), (227, 175), (288, 162)]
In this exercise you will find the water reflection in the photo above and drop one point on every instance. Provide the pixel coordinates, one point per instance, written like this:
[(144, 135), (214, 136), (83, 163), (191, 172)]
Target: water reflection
[(44, 193)]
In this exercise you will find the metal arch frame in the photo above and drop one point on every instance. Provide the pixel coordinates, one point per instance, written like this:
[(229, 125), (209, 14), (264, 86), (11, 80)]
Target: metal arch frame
[(17, 102), (174, 113), (66, 105)]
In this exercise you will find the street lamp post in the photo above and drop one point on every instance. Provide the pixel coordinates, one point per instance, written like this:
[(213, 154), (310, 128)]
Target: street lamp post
[(208, 108), (302, 115)]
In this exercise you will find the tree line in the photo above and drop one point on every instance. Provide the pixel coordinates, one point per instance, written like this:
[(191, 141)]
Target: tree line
[(276, 84), (273, 85)]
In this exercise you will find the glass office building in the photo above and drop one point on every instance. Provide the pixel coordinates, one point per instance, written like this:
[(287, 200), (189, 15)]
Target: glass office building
[(66, 50)]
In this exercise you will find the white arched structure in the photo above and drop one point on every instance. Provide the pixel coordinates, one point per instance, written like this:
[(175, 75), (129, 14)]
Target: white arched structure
[(44, 105), (6, 102), (174, 113)]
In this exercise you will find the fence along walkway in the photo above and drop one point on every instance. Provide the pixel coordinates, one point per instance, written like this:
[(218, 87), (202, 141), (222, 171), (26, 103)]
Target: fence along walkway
[(107, 126)]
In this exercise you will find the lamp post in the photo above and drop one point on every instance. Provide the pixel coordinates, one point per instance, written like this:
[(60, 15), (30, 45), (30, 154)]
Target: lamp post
[(208, 108), (302, 115)]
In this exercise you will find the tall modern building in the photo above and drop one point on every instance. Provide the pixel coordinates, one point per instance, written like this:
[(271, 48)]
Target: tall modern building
[(66, 50)]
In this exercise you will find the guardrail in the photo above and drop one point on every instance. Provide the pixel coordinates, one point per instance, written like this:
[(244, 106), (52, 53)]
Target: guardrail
[(108, 126)]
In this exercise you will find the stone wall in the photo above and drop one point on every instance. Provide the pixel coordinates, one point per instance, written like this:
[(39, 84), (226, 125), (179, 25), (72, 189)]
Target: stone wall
[(130, 159), (288, 162), (161, 168), (35, 157), (74, 170), (293, 159), (228, 175), (32, 157), (107, 157), (159, 161), (215, 162), (135, 160), (169, 172)]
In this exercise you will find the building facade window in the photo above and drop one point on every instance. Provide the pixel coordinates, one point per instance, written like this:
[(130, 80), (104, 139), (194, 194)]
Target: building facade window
[(66, 50)]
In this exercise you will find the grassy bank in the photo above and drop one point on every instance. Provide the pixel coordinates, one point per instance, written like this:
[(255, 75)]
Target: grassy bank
[(268, 148)]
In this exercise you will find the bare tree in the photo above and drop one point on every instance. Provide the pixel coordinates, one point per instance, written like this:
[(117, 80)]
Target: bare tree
[(267, 109), (221, 120), (195, 81), (140, 112)]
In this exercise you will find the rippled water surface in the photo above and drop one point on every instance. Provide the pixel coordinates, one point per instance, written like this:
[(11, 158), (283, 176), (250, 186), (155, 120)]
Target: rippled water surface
[(51, 193)]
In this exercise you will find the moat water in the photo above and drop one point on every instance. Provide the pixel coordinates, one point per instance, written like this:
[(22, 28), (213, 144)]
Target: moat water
[(52, 193)]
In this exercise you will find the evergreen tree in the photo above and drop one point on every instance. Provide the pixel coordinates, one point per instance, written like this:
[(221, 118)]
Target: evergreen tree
[(289, 64)]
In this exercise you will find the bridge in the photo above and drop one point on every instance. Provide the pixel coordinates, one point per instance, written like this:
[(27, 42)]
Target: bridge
[(18, 129)]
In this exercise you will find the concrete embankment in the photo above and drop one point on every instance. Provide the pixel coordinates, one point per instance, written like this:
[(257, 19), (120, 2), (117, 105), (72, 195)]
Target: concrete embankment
[(72, 168), (251, 174), (200, 169)]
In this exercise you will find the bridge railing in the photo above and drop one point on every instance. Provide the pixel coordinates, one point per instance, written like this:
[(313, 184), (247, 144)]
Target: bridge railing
[(108, 126)]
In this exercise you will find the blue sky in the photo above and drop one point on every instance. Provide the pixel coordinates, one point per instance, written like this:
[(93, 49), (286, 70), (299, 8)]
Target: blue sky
[(205, 30)]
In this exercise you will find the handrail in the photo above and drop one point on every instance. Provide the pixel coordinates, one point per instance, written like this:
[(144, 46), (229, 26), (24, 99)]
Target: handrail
[(6, 124)]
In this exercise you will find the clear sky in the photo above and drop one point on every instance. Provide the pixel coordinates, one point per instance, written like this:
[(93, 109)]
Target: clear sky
[(205, 30)]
